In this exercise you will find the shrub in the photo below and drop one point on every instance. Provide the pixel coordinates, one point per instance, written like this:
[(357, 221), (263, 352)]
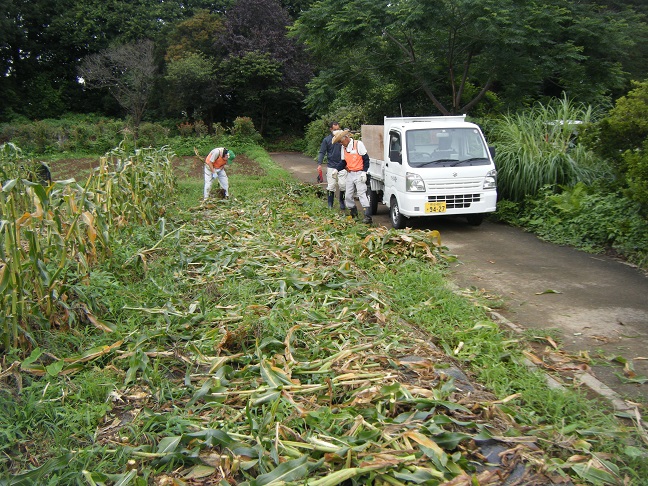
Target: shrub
[(625, 127), (285, 144), (508, 212), (243, 126), (72, 133), (315, 132), (80, 137), (637, 176), (348, 116), (589, 218), (621, 137), (109, 133), (152, 135), (200, 128), (189, 129), (185, 129), (539, 147), (218, 129), (43, 136), (33, 137), (243, 131)]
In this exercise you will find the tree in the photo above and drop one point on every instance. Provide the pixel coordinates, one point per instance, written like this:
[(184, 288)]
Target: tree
[(255, 83), (42, 43), (197, 34), (194, 84), (37, 58), (611, 43), (127, 72), (191, 79), (260, 55), (296, 7), (453, 52), (257, 71)]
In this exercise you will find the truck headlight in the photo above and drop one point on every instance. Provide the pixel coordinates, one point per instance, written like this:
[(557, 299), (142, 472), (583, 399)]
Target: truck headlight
[(490, 181), (414, 183)]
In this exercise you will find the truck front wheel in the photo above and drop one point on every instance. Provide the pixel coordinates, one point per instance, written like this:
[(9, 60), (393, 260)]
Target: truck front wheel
[(397, 219), (374, 198)]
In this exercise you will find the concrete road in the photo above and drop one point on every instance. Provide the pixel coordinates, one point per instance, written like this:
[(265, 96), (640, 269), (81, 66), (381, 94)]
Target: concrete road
[(597, 306)]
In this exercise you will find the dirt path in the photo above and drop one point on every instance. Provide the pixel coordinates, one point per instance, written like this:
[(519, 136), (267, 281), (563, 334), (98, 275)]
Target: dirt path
[(595, 307)]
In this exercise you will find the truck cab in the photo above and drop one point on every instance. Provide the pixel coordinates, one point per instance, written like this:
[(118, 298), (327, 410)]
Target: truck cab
[(430, 166)]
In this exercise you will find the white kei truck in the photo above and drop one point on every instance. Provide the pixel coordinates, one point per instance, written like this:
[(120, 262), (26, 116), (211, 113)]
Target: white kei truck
[(430, 166)]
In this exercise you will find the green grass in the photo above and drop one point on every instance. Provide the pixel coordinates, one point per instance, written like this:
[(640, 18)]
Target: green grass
[(254, 331), (539, 147)]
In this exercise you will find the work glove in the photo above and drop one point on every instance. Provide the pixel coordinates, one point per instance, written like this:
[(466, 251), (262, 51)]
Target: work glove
[(363, 177)]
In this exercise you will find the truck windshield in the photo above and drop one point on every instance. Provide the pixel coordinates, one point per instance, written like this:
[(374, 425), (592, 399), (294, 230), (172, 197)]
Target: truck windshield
[(446, 147)]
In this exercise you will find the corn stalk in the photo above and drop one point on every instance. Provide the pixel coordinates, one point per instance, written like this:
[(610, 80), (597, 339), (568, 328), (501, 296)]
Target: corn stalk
[(50, 235)]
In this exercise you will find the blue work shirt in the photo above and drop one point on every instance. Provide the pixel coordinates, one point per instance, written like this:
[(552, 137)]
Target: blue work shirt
[(333, 152)]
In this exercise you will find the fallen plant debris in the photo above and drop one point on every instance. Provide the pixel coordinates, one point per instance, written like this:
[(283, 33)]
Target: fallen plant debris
[(346, 392), (271, 356)]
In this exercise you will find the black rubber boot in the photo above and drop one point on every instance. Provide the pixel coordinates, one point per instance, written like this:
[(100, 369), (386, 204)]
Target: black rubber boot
[(342, 196), (331, 198), (354, 212), (367, 216)]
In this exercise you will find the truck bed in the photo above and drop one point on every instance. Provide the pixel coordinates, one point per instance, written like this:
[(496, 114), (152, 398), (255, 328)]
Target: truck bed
[(376, 169)]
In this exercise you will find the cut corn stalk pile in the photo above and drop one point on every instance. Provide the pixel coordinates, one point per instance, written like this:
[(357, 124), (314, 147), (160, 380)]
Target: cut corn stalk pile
[(284, 362), (318, 381)]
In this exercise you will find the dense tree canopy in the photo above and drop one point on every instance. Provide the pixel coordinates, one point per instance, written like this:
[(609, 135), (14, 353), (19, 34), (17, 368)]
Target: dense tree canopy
[(240, 63), (42, 43), (453, 52), (219, 60), (266, 71), (193, 87)]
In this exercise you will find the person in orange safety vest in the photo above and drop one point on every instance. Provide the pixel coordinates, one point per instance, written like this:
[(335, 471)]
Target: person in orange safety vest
[(215, 168), (354, 153)]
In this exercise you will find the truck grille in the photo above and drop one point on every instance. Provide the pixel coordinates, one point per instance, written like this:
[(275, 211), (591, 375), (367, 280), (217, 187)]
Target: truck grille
[(451, 185), (456, 201), (447, 189)]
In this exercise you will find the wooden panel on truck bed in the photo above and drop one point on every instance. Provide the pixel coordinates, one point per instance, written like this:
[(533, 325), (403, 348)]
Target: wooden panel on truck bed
[(372, 137)]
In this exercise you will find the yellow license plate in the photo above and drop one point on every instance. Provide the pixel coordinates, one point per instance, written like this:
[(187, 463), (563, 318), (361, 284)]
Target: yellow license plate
[(435, 207)]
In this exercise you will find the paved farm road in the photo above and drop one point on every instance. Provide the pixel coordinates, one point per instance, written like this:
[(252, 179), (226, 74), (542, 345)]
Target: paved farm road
[(598, 305)]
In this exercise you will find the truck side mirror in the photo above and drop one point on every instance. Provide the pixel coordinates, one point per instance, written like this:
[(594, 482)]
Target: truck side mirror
[(491, 149)]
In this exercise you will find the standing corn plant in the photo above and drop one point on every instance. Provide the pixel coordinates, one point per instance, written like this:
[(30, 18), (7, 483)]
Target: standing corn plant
[(51, 236), (539, 148), (136, 183)]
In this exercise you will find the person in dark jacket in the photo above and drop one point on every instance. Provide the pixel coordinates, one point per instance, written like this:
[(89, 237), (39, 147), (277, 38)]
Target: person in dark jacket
[(335, 166)]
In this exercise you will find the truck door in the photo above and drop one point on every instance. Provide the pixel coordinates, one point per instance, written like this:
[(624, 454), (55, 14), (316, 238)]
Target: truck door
[(394, 172)]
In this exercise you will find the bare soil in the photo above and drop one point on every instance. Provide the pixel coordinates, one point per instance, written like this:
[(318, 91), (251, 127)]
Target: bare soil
[(184, 167)]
